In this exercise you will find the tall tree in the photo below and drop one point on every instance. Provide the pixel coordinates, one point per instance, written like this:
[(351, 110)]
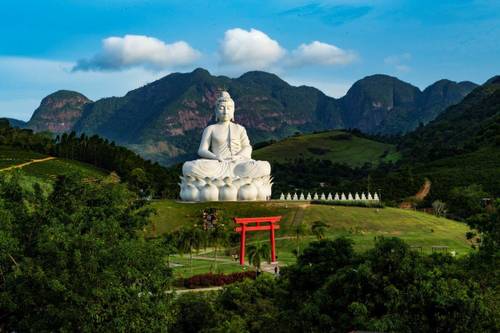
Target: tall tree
[(258, 252), (299, 230), (191, 239), (218, 237)]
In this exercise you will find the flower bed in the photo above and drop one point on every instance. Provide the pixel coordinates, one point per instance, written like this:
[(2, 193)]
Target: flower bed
[(213, 280)]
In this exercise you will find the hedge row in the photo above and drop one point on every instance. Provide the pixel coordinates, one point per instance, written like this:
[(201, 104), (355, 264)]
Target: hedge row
[(356, 203), (212, 280)]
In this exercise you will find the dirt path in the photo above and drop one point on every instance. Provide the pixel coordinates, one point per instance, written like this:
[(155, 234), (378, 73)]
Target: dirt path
[(419, 196), (28, 163), (299, 215), (424, 190)]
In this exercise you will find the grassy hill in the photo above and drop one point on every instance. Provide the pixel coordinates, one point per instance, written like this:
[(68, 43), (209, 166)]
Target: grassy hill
[(45, 170), (10, 156), (478, 167), (336, 146), (361, 224)]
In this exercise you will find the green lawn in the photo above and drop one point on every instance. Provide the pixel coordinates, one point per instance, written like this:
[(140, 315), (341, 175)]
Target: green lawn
[(50, 169), (182, 268), (43, 173), (336, 146), (10, 156), (360, 224)]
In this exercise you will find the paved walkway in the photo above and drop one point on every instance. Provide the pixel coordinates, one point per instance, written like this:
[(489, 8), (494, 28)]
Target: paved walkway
[(181, 291), (28, 163)]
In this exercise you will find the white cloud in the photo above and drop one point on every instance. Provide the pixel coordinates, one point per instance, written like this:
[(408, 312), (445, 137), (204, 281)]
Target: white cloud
[(25, 81), (399, 62), (139, 51), (251, 49), (318, 53)]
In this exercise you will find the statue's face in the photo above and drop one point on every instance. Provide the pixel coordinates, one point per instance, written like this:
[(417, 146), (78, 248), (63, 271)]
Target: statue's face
[(224, 110)]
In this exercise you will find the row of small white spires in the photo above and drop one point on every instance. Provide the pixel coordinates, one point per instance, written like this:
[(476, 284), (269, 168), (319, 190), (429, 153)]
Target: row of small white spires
[(337, 197)]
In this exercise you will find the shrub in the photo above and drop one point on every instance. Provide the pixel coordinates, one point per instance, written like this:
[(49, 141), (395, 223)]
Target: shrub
[(213, 280)]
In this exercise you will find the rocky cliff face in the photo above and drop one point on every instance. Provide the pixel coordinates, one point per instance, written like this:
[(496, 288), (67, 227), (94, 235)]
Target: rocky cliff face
[(164, 119), (386, 105), (175, 109), (58, 112)]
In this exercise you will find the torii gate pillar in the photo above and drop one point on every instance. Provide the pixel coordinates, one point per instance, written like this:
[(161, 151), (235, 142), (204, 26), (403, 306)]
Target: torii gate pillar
[(256, 224)]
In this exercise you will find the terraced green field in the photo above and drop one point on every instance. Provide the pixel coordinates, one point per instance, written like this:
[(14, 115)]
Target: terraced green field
[(43, 172), (362, 225), (336, 146), (50, 169)]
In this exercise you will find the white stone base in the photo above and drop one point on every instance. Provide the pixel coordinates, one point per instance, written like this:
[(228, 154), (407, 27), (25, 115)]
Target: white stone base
[(228, 189)]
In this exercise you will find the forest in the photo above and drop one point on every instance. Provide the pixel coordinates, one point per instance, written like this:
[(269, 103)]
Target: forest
[(76, 260)]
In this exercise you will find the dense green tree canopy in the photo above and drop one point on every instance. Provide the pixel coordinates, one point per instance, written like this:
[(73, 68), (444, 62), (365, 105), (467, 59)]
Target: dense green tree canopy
[(75, 260)]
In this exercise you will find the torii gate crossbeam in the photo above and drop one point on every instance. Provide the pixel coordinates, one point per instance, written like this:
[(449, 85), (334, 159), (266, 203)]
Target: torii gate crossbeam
[(257, 224)]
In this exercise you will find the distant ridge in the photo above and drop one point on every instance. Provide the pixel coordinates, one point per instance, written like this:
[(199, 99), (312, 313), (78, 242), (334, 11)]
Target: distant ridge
[(163, 120), (16, 122), (58, 112)]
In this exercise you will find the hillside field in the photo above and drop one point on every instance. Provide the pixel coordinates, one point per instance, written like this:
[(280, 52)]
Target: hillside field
[(45, 171), (336, 146), (362, 225)]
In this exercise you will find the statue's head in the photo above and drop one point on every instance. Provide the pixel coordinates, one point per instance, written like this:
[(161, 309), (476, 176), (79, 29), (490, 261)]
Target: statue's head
[(224, 108)]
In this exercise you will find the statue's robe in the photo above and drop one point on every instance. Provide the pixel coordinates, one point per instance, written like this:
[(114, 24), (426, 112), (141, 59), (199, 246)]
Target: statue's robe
[(225, 142)]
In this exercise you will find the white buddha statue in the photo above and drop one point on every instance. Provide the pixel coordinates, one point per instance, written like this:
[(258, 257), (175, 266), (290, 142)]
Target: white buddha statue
[(225, 151)]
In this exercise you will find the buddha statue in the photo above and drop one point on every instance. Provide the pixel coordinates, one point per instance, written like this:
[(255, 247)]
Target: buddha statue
[(226, 157)]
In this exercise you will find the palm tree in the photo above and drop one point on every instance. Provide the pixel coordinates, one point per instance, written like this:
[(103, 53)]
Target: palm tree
[(257, 252), (318, 229), (218, 236), (191, 239), (169, 242), (299, 230)]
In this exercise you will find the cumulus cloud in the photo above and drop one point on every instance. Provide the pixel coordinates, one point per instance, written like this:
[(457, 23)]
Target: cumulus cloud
[(318, 53), (399, 62), (118, 53), (250, 49)]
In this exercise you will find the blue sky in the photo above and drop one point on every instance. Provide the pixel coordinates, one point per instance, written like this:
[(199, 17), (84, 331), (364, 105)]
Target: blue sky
[(108, 47)]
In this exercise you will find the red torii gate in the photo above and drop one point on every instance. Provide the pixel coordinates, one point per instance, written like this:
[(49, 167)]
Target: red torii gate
[(244, 227)]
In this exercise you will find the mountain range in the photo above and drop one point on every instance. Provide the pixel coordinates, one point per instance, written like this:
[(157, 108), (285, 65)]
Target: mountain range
[(163, 120), (471, 125)]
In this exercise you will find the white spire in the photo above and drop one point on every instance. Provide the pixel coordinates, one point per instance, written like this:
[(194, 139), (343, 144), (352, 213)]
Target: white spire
[(309, 198), (295, 197), (356, 196), (329, 198), (302, 198), (288, 197), (349, 197), (316, 196), (282, 196), (363, 196)]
